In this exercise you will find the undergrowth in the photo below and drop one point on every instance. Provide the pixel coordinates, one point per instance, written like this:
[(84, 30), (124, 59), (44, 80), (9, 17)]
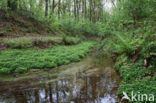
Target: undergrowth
[(134, 51), (40, 41), (68, 40), (29, 42), (19, 61)]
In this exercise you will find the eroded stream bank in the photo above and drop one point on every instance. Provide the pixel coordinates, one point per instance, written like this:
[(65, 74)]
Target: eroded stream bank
[(93, 80)]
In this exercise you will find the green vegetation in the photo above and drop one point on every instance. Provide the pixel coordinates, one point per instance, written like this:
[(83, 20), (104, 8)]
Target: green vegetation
[(146, 86), (29, 42), (17, 61), (127, 32), (133, 45), (15, 23), (134, 51), (38, 41), (68, 40)]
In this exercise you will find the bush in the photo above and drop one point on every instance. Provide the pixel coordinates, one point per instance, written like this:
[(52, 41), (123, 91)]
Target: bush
[(2, 32), (4, 71), (68, 40), (82, 27), (21, 70)]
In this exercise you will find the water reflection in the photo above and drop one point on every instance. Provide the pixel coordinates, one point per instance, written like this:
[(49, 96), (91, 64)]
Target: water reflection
[(99, 87)]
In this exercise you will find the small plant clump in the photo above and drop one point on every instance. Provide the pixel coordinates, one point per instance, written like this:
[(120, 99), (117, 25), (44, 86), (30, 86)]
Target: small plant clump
[(71, 40)]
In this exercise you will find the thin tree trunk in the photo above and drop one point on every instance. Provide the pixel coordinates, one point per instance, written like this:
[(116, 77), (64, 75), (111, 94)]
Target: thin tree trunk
[(75, 8), (59, 8), (77, 5), (90, 6), (46, 7), (85, 8), (53, 6)]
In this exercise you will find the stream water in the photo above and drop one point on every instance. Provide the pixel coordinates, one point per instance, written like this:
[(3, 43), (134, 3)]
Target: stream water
[(93, 80)]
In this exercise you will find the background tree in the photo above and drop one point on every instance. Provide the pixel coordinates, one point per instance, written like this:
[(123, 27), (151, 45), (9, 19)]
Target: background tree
[(12, 4)]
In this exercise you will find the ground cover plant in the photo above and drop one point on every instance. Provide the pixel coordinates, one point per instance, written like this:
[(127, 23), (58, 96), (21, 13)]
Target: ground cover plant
[(19, 61)]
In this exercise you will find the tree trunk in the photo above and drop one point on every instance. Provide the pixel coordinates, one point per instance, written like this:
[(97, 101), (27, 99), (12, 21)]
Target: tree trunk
[(46, 7), (85, 4), (59, 8), (53, 6), (75, 8), (90, 9), (12, 4)]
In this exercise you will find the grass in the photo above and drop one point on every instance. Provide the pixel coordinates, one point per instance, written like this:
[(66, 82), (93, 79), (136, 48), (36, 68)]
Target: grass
[(19, 61)]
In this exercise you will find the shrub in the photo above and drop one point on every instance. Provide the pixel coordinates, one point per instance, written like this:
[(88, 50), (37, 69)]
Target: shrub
[(71, 40), (21, 70), (4, 71), (82, 27)]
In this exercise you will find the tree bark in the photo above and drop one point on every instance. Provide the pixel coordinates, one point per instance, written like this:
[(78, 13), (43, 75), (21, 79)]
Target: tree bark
[(75, 8), (53, 6), (59, 8), (46, 7)]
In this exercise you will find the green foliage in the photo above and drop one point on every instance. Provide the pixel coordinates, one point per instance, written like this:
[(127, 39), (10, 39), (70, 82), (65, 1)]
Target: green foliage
[(82, 27), (17, 43), (29, 42), (137, 75), (21, 70), (4, 71), (2, 32), (120, 42), (3, 4), (12, 61), (134, 9), (123, 45), (144, 86), (68, 40)]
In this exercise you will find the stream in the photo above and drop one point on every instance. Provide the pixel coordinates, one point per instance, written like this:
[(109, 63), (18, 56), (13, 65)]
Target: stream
[(92, 80)]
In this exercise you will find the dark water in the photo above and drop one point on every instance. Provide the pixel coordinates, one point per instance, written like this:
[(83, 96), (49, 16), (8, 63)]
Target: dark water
[(94, 81)]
